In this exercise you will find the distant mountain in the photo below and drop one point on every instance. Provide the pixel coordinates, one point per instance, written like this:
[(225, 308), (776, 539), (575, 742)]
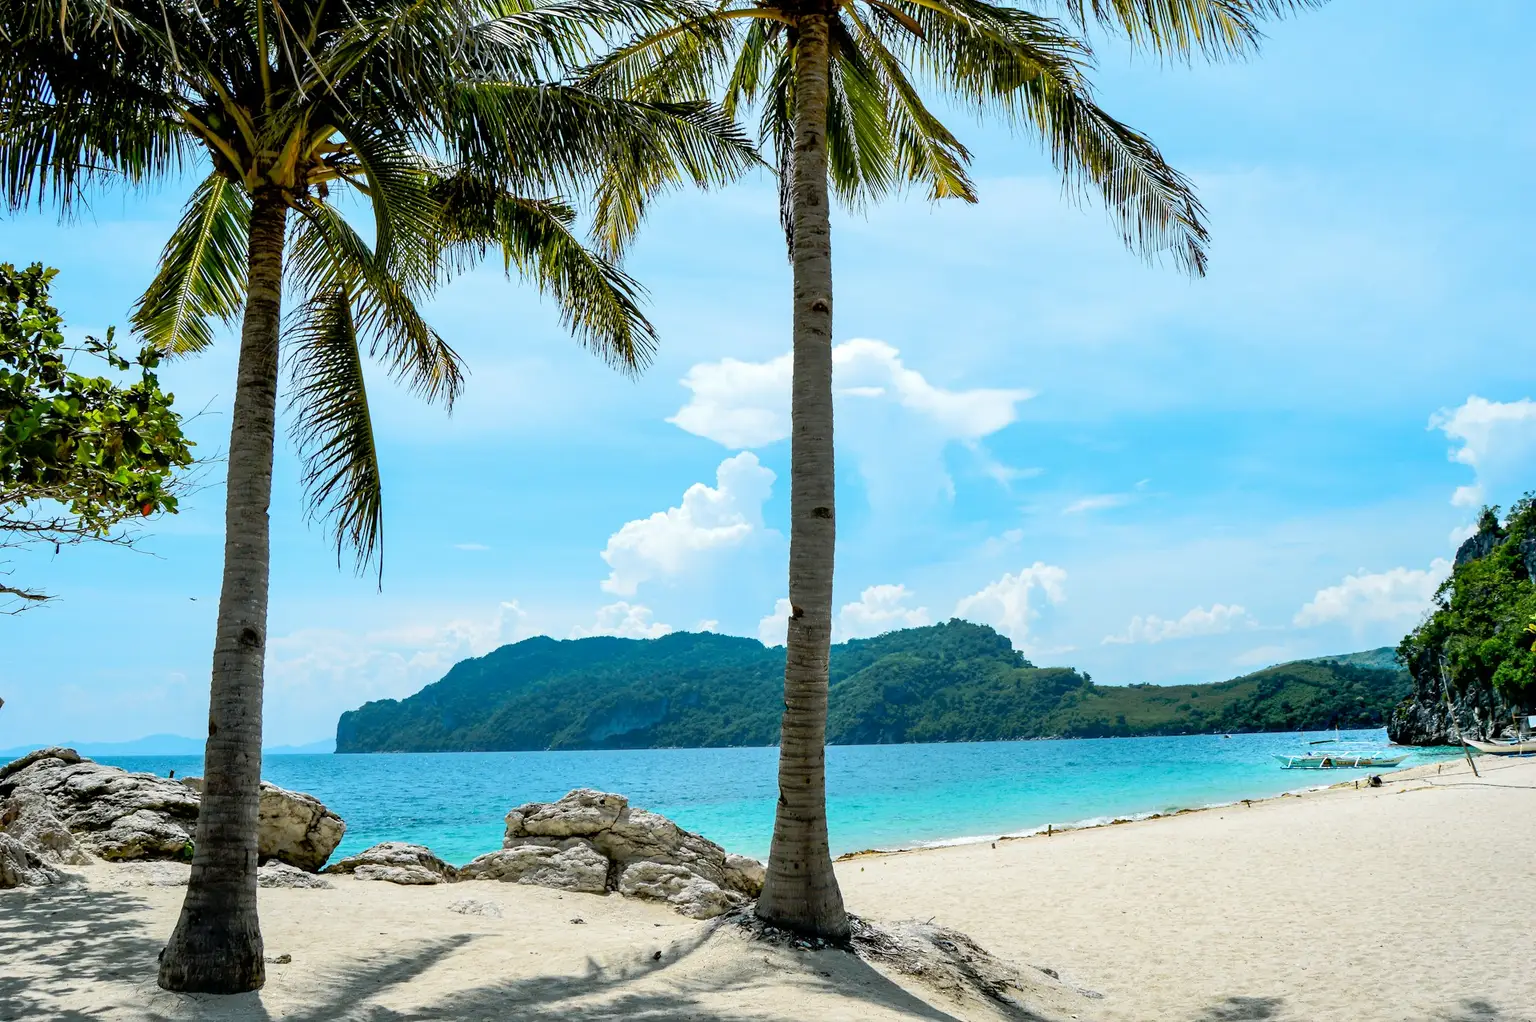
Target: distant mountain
[(1383, 659), (948, 682), (158, 745), (324, 745)]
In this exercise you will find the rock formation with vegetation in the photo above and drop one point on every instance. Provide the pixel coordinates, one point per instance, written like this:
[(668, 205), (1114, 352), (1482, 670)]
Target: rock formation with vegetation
[(1471, 659), (955, 681)]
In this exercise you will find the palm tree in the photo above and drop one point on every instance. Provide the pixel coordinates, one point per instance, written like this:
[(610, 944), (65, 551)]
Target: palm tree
[(447, 123), (833, 81)]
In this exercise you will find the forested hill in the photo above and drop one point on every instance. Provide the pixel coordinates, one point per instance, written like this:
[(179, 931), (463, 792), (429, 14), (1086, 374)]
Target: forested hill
[(948, 682)]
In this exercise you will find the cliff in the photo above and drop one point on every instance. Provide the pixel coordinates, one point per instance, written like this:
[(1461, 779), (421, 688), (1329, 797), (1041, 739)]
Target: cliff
[(1471, 659), (948, 682)]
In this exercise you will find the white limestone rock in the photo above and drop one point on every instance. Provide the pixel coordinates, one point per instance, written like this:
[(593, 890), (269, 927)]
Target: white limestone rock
[(576, 866), (292, 827), (22, 867), (281, 874), (109, 812), (679, 887), (686, 870), (397, 862)]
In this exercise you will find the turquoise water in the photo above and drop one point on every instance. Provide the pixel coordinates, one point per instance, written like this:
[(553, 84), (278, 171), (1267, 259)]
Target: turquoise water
[(879, 796)]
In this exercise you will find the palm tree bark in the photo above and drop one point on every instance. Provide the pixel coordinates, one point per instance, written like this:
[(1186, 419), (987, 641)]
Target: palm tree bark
[(216, 946), (801, 891)]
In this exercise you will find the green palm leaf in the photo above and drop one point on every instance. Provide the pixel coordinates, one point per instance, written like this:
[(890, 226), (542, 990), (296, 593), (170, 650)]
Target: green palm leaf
[(202, 271)]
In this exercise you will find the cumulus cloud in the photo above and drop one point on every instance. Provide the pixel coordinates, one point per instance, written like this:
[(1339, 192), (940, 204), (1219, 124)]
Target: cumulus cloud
[(746, 404), (879, 609), (625, 620), (1397, 595), (708, 519), (1010, 604), (892, 421), (314, 674), (773, 630), (1497, 440), (1218, 619)]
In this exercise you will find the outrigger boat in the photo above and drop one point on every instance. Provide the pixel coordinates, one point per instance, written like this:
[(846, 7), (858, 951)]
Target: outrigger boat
[(1340, 760), (1527, 747)]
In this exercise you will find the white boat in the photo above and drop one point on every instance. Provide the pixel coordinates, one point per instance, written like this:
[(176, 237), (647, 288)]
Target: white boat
[(1340, 760), (1517, 748)]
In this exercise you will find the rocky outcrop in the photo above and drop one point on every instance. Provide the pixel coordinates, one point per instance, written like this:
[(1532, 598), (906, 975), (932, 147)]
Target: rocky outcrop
[(69, 810), (292, 827), (576, 866), (398, 863), (594, 841), (280, 874), (1428, 717), (22, 867), (109, 812)]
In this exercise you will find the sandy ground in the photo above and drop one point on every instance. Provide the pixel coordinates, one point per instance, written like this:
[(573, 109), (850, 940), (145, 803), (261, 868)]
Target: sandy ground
[(1414, 902)]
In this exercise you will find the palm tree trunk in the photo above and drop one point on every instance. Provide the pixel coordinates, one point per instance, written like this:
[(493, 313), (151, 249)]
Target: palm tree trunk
[(801, 891), (217, 947)]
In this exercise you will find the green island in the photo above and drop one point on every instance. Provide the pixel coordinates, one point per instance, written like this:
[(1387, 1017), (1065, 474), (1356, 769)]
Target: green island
[(950, 682)]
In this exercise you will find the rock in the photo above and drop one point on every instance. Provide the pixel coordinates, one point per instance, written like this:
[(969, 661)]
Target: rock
[(581, 813), (27, 817), (398, 863), (576, 867), (292, 827), (281, 874), (69, 809), (744, 874), (283, 959), (63, 755), (109, 812), (22, 867), (475, 907), (595, 841), (685, 891)]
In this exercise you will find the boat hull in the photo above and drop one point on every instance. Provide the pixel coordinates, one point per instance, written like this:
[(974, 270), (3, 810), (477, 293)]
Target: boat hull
[(1525, 748), (1338, 761)]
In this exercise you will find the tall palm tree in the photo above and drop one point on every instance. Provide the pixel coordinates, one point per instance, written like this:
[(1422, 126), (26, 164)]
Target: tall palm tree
[(836, 86), (449, 123)]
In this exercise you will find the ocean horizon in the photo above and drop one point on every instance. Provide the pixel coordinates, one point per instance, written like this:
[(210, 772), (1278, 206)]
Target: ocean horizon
[(879, 796)]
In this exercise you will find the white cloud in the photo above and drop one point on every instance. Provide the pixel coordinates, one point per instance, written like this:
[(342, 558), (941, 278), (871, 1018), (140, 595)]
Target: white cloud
[(314, 674), (1008, 603), (1497, 440), (709, 518), (879, 609), (1197, 621), (891, 421), (773, 630), (707, 625), (625, 620), (746, 404), (1098, 502), (470, 546), (1396, 595)]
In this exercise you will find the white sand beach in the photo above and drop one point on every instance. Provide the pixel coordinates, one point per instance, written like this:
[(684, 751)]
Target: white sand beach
[(1413, 902)]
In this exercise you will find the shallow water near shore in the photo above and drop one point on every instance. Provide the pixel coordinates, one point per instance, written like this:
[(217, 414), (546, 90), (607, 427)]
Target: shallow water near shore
[(879, 796)]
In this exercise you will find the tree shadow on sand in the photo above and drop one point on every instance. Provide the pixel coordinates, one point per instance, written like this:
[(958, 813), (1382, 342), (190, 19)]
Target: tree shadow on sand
[(57, 941), (53, 940), (673, 988), (1260, 1009)]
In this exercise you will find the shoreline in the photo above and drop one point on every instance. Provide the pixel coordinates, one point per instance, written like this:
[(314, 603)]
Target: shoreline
[(1295, 908), (1098, 822)]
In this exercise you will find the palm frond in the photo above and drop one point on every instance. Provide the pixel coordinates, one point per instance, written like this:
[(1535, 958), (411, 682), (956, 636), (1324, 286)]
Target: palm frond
[(334, 429), (329, 255), (1215, 29), (202, 271), (599, 303)]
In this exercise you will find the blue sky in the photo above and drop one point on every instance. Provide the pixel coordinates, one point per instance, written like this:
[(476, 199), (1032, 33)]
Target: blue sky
[(1148, 477)]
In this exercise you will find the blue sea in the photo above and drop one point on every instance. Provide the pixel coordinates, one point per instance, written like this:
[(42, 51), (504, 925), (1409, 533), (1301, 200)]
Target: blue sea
[(879, 796)]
